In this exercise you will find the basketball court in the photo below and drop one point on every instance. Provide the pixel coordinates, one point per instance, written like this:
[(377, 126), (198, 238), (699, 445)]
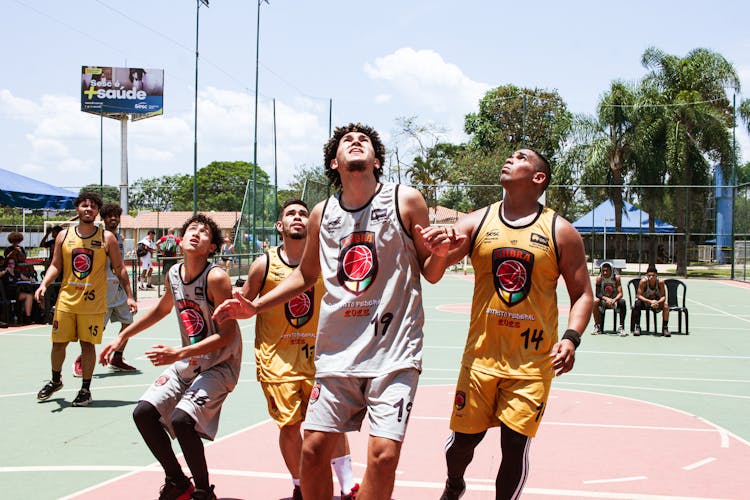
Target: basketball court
[(640, 417)]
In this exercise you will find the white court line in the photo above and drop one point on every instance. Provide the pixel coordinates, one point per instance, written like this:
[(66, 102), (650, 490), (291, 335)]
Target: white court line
[(699, 463), (615, 480), (655, 389), (430, 485), (719, 310)]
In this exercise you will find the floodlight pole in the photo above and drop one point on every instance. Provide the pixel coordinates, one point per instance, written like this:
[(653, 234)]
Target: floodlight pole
[(255, 126), (195, 110)]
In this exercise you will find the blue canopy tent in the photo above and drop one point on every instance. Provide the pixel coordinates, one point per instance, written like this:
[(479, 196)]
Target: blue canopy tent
[(19, 191), (634, 220)]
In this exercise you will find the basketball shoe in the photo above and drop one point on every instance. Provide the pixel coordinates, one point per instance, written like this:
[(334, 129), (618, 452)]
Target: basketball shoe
[(77, 368), (48, 389), (118, 364), (352, 495), (83, 398), (453, 491), (208, 494), (176, 489)]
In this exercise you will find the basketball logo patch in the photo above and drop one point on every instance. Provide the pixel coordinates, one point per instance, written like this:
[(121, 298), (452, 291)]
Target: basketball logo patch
[(512, 273), (192, 319), (161, 380), (460, 400), (358, 261), (82, 260), (314, 394), (300, 309)]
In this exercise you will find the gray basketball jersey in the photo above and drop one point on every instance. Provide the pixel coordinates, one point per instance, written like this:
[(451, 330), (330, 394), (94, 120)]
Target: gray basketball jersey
[(116, 295), (371, 316), (194, 317)]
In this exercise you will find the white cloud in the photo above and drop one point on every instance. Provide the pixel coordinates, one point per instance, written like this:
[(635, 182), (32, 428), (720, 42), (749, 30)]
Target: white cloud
[(383, 98), (424, 79)]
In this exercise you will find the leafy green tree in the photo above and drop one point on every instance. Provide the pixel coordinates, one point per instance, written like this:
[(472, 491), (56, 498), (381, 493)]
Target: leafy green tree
[(221, 185), (159, 194), (109, 194), (696, 123), (511, 117)]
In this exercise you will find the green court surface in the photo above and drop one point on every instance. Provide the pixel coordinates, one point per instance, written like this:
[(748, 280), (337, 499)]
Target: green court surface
[(53, 450)]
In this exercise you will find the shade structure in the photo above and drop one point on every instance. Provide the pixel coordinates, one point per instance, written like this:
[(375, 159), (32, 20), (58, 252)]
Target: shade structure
[(634, 220), (19, 191)]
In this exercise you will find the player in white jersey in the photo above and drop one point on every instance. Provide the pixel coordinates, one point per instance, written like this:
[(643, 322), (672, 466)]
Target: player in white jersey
[(188, 396), (368, 353)]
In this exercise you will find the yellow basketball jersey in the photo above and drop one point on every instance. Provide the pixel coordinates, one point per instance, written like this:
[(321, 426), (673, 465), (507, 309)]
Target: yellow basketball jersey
[(514, 310), (84, 273), (285, 334)]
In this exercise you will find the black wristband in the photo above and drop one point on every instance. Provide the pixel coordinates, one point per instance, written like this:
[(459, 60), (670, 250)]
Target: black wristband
[(573, 336)]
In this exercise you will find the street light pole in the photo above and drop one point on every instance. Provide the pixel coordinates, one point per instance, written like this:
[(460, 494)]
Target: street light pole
[(195, 111)]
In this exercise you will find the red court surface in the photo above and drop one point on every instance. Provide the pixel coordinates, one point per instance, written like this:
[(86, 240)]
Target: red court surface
[(589, 446)]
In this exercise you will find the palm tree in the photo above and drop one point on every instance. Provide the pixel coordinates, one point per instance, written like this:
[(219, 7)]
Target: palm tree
[(696, 121)]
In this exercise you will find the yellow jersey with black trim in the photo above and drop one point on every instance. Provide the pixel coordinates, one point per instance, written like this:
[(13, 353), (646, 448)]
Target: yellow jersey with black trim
[(84, 274), (514, 310), (285, 335)]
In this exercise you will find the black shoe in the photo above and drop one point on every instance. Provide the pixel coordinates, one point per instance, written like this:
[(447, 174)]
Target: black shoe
[(83, 398), (453, 491), (48, 389), (208, 494), (665, 332), (176, 489)]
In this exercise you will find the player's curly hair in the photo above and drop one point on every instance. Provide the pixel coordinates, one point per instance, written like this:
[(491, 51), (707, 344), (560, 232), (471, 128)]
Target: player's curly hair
[(110, 209), (329, 150), (217, 238), (88, 196)]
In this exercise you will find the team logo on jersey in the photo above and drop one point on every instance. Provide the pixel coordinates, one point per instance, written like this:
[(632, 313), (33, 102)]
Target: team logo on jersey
[(358, 261), (83, 262), (539, 239), (314, 394), (512, 268), (192, 319), (378, 214), (460, 400), (161, 380), (609, 290), (300, 309), (334, 223)]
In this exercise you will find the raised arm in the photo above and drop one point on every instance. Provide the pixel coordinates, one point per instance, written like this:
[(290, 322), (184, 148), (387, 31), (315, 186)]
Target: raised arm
[(432, 251), (302, 278)]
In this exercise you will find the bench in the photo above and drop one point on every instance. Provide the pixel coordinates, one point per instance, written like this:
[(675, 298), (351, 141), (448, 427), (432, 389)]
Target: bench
[(619, 265)]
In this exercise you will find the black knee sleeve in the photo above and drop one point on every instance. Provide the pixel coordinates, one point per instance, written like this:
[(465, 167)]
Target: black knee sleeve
[(459, 451), (514, 467)]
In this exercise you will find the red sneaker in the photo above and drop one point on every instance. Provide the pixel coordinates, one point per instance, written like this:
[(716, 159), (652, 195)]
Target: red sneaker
[(119, 365), (352, 495), (77, 368)]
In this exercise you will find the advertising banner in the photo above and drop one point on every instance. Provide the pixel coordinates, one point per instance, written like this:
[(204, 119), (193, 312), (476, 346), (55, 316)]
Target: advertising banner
[(111, 90)]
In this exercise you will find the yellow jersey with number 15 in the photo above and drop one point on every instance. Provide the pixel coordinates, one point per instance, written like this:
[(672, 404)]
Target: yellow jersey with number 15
[(84, 273), (514, 310)]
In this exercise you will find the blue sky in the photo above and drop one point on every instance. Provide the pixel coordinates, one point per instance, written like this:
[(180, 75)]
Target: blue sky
[(377, 61)]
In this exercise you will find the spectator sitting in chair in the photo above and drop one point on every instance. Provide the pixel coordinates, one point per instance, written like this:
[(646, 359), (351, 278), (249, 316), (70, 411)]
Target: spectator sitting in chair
[(608, 296), (651, 295), (15, 250), (11, 277)]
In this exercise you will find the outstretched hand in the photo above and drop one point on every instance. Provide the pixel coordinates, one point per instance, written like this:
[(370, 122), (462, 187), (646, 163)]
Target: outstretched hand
[(238, 307), (439, 240)]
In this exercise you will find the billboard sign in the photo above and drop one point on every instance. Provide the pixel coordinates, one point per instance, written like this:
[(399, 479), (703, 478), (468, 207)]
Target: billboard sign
[(109, 90)]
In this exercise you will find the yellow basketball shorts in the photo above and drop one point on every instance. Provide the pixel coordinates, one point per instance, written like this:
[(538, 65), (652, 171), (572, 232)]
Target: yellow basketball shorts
[(483, 401), (287, 401), (71, 327)]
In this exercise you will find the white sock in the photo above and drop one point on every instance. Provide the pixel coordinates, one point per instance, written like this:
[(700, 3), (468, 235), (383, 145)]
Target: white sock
[(295, 481), (342, 466)]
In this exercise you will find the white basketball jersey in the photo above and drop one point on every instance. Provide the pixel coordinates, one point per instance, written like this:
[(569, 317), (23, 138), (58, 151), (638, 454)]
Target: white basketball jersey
[(194, 313), (371, 316)]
